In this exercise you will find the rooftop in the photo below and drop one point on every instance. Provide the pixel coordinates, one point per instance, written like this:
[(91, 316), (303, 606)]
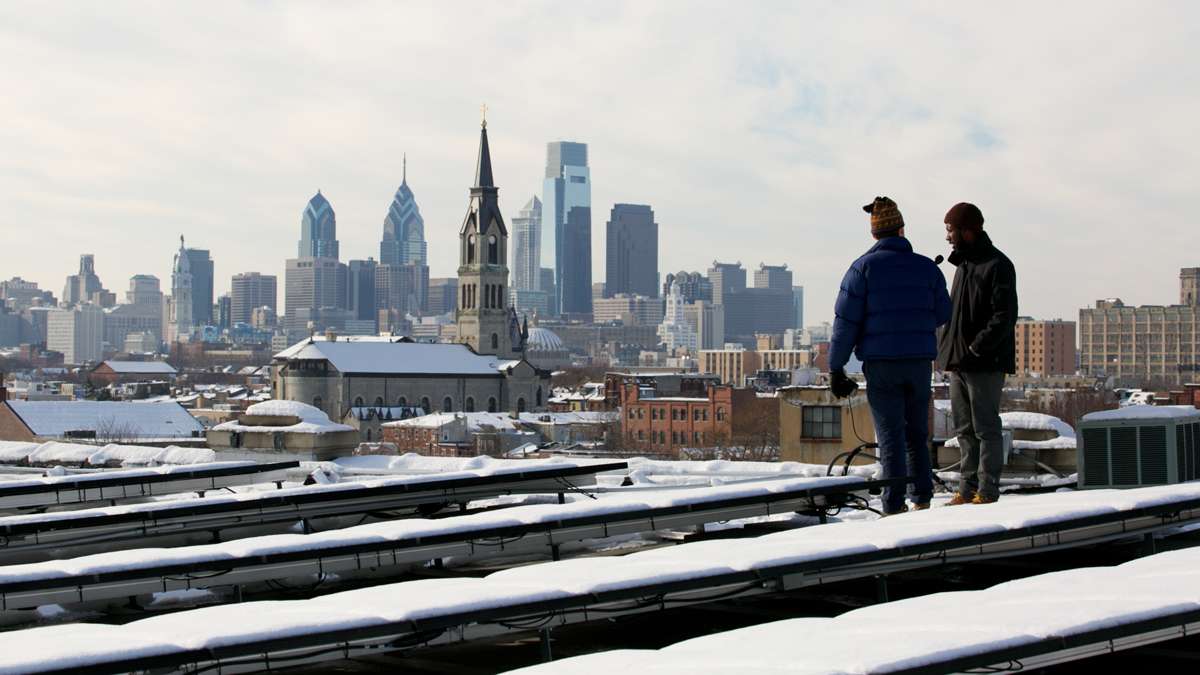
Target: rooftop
[(384, 356), (126, 419)]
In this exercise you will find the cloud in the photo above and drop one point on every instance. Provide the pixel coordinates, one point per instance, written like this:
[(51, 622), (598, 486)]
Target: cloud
[(755, 133)]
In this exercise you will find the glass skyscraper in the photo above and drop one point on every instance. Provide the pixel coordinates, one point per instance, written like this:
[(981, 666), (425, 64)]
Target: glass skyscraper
[(567, 226), (318, 229), (403, 228)]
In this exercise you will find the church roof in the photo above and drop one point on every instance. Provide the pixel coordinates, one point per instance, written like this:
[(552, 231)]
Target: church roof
[(483, 165), (395, 358)]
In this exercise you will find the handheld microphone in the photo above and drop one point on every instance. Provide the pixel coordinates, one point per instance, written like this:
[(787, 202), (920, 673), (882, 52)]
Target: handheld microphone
[(938, 260)]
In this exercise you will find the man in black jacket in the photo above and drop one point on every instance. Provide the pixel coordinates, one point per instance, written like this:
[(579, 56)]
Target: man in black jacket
[(977, 348)]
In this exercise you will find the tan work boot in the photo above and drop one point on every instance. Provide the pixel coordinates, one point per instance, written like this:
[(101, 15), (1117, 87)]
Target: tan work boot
[(980, 499), (919, 507), (959, 499)]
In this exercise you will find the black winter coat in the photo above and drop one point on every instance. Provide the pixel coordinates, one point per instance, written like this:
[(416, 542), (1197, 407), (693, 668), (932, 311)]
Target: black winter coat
[(981, 334)]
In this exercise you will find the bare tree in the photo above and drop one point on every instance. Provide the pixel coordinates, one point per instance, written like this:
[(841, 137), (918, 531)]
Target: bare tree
[(111, 430)]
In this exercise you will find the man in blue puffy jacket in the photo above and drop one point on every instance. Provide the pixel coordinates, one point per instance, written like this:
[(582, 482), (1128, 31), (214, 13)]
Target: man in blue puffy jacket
[(888, 310)]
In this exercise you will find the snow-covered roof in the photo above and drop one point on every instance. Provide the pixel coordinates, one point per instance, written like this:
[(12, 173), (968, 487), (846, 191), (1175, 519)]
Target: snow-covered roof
[(312, 420), (140, 367), (477, 420), (396, 358), (58, 452), (125, 419), (1143, 412)]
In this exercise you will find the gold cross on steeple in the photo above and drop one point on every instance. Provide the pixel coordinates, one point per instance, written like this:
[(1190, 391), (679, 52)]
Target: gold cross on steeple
[(483, 113)]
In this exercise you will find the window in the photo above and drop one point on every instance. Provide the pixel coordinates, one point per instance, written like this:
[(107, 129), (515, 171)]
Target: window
[(697, 437), (521, 405), (720, 414), (696, 415), (641, 435), (378, 401), (470, 249), (358, 402), (425, 405), (470, 406), (632, 414), (492, 404), (821, 421), (539, 397), (495, 341), (402, 402), (447, 404)]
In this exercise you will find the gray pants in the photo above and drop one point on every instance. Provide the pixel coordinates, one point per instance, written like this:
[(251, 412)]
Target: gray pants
[(975, 404)]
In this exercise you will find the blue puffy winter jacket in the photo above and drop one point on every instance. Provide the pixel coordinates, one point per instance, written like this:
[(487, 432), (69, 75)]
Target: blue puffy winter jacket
[(890, 306)]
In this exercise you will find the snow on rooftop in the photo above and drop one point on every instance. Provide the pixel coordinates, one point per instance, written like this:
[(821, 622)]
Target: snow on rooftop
[(396, 358), (884, 637), (312, 420), (127, 419), (135, 367), (872, 639), (477, 420), (1143, 412)]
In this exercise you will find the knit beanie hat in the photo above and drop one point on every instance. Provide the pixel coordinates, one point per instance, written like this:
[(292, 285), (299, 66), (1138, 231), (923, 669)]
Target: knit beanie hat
[(885, 216), (964, 216)]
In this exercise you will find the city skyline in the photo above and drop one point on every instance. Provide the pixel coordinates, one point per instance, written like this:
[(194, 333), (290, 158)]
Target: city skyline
[(756, 152)]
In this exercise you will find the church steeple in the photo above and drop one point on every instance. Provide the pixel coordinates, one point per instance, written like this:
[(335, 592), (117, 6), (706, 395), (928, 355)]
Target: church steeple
[(485, 320), (483, 166)]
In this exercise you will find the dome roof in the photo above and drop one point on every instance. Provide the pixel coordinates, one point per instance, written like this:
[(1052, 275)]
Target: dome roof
[(544, 340)]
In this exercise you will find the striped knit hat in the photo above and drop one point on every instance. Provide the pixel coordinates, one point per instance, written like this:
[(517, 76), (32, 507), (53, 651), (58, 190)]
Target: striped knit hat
[(885, 216)]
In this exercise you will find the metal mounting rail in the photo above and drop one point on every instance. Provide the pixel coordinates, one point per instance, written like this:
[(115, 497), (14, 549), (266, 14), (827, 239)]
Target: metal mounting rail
[(459, 542), (29, 533), (315, 643), (122, 485)]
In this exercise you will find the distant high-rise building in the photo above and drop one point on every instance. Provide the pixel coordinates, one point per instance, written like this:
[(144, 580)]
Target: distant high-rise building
[(224, 311), (144, 290), (765, 308), (403, 228), (181, 325), (201, 266), (443, 293), (80, 287), (676, 332), (401, 288), (1189, 286), (318, 230), (527, 249), (248, 291), (76, 332), (314, 291), (632, 251), (361, 276), (19, 294), (693, 287), (798, 307), (599, 291), (548, 285), (567, 225)]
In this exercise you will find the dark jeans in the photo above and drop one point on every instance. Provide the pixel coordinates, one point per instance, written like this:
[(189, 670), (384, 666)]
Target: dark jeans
[(975, 405), (898, 392)]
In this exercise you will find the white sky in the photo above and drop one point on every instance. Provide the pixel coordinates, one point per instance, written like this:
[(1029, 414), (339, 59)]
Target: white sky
[(755, 130)]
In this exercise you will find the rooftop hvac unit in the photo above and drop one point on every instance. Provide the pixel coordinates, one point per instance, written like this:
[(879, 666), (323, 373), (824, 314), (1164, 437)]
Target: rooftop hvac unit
[(1139, 445)]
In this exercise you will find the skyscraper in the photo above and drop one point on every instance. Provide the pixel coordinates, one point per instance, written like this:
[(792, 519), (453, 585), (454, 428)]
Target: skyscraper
[(315, 283), (567, 225), (485, 320), (201, 266), (362, 290), (80, 287), (798, 307), (248, 291), (527, 245), (318, 230), (632, 251), (403, 228), (181, 325)]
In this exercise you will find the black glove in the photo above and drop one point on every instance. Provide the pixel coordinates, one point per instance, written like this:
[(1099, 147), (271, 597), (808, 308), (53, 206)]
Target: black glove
[(840, 385)]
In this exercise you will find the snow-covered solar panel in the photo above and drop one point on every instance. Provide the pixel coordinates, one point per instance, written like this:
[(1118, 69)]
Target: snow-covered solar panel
[(215, 512), (134, 483), (554, 591), (1040, 616), (403, 542)]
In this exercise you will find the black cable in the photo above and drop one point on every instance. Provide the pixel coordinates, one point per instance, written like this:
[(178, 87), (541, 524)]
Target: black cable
[(1013, 666), (574, 488)]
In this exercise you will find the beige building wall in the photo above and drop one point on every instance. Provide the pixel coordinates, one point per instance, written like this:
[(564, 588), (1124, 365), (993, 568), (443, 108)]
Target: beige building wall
[(731, 365), (797, 443), (1138, 345)]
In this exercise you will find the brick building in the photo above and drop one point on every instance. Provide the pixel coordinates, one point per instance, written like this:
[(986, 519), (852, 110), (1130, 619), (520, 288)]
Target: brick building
[(663, 414), (1045, 347)]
